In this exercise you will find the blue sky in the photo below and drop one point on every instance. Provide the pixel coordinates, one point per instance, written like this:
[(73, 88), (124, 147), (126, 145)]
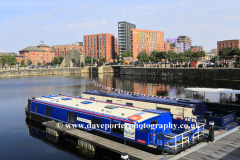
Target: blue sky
[(25, 23)]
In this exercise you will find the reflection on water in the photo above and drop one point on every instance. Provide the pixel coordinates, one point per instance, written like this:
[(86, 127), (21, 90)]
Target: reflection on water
[(15, 91)]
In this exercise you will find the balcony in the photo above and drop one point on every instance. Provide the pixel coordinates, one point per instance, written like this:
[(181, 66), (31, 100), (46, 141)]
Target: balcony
[(121, 28)]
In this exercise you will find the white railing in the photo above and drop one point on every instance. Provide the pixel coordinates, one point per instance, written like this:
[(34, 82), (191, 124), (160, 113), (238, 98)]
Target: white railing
[(186, 138)]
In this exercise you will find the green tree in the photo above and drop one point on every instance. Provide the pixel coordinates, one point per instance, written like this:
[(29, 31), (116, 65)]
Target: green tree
[(4, 60), (104, 59), (61, 59), (23, 63), (225, 51), (12, 60), (128, 54), (55, 61), (143, 56), (29, 62), (234, 52), (88, 59), (39, 63)]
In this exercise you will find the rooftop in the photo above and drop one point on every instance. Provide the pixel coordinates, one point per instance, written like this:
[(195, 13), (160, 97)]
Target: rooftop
[(104, 108), (32, 48)]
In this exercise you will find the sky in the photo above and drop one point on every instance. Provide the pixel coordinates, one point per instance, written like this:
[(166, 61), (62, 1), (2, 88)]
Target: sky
[(25, 23)]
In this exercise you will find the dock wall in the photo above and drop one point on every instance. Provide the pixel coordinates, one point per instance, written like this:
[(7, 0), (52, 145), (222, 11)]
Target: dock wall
[(195, 73), (53, 71)]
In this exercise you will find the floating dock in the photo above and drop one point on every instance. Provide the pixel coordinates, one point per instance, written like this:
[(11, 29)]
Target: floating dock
[(116, 147), (226, 146)]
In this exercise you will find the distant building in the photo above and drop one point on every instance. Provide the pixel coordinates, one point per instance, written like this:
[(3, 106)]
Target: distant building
[(197, 48), (76, 43), (102, 45), (41, 53), (213, 51), (62, 50), (19, 58), (124, 36), (175, 47), (166, 47), (185, 41), (234, 44), (146, 40), (171, 40)]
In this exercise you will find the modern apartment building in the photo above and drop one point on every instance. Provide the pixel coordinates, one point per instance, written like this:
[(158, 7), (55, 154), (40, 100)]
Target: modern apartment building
[(197, 48), (102, 45), (171, 40), (175, 47), (124, 36), (234, 44), (166, 47), (146, 40), (41, 53), (185, 41)]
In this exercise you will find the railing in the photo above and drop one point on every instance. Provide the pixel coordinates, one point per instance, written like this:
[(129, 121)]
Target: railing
[(186, 139)]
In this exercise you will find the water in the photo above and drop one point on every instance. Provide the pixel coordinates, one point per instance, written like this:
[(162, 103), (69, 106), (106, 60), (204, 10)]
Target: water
[(17, 143)]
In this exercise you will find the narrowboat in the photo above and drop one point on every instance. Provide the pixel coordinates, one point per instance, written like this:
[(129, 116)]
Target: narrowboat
[(148, 127)]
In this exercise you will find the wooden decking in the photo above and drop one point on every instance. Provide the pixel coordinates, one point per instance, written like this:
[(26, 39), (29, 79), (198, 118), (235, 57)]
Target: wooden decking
[(134, 153), (227, 147)]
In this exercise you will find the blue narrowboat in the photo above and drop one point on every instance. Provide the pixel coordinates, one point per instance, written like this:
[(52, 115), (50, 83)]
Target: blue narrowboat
[(148, 127)]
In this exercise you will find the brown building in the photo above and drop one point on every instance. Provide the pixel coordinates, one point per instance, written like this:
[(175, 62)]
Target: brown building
[(166, 47), (62, 50), (146, 40), (235, 43), (41, 53), (102, 45)]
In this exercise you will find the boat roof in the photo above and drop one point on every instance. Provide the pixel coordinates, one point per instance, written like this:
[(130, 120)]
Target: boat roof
[(219, 90), (102, 108), (177, 102)]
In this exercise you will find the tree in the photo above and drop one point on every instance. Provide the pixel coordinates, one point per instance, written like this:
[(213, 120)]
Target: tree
[(29, 62), (128, 54), (225, 51), (104, 59), (11, 60), (39, 63), (172, 55), (4, 60), (61, 59), (55, 61), (23, 63), (234, 52), (143, 56), (88, 59)]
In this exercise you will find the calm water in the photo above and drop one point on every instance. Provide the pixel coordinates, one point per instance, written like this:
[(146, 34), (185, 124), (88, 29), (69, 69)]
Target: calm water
[(18, 143)]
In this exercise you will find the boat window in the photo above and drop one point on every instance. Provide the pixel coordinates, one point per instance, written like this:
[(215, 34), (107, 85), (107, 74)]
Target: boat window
[(119, 101), (92, 98), (144, 130), (129, 104), (72, 117), (96, 123), (36, 108), (154, 122), (163, 109), (48, 111), (66, 99), (116, 128), (109, 101)]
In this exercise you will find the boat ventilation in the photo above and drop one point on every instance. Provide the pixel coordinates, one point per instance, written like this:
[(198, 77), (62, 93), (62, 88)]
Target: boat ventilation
[(110, 107), (66, 99), (86, 102), (123, 114)]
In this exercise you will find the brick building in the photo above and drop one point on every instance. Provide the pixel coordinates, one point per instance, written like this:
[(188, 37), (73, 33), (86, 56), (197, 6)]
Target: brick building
[(102, 45), (175, 47), (62, 50), (146, 40), (197, 48), (234, 44), (166, 47), (41, 53)]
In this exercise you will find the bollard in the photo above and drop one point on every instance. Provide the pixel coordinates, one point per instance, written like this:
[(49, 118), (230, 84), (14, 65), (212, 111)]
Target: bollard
[(211, 131), (124, 156)]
